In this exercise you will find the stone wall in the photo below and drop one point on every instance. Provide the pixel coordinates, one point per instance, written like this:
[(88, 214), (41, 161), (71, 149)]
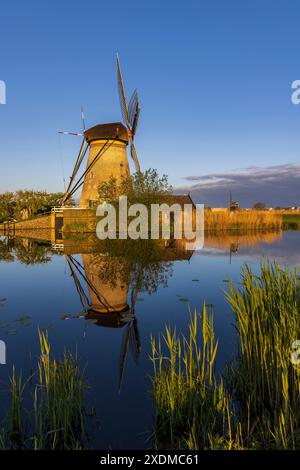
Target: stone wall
[(74, 221), (79, 220), (38, 223)]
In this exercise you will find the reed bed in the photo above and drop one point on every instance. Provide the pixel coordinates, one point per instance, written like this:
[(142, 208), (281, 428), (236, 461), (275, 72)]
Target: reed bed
[(256, 404), (265, 380), (291, 221), (55, 419), (242, 219), (193, 409)]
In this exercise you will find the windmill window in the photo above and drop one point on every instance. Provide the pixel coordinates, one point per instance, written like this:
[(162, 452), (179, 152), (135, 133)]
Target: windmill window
[(121, 164), (91, 175)]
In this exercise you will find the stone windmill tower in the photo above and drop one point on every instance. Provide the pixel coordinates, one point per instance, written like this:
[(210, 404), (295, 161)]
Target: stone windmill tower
[(106, 145)]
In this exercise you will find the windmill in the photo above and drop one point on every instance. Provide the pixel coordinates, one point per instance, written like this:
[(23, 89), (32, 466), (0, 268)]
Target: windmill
[(105, 305), (233, 205), (107, 156)]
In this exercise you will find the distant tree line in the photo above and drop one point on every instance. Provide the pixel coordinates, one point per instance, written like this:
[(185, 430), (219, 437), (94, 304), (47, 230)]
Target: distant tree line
[(25, 204), (262, 206)]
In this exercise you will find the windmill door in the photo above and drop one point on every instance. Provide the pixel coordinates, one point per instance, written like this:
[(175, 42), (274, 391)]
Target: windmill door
[(59, 222)]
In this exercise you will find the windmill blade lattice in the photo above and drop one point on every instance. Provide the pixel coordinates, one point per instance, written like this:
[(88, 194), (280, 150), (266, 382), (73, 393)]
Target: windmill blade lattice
[(135, 121), (133, 107)]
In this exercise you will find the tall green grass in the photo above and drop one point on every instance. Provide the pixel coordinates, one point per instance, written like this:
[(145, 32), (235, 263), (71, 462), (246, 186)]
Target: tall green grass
[(193, 409), (16, 421), (291, 221), (256, 404), (264, 379), (54, 418)]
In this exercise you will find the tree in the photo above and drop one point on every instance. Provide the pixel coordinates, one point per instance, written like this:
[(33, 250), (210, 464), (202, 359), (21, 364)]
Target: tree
[(260, 206), (146, 187), (7, 206), (30, 203), (24, 204)]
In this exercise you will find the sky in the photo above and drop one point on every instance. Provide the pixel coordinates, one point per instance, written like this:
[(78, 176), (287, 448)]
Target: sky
[(214, 80)]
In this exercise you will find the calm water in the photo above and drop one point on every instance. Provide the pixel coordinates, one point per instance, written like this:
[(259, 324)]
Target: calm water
[(76, 292)]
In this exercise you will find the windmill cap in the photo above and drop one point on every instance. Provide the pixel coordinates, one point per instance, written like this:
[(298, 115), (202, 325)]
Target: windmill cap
[(112, 131)]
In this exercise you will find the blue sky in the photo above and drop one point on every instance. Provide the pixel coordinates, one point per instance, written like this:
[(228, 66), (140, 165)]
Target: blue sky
[(214, 79)]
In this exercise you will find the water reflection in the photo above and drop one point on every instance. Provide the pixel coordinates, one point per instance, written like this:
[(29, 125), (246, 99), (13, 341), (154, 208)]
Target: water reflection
[(123, 291), (28, 251), (232, 240), (109, 280), (106, 304)]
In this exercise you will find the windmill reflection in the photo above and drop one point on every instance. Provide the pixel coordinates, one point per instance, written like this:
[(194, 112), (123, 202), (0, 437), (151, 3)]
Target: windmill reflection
[(106, 304)]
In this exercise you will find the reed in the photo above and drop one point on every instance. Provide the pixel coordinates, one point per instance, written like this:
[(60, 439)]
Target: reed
[(256, 405), (193, 409), (242, 219), (55, 418), (2, 439), (16, 420), (58, 401), (264, 379), (291, 221)]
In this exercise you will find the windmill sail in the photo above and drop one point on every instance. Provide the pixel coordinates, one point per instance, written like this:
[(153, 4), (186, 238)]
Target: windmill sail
[(134, 156), (131, 339), (130, 114), (83, 119), (135, 120), (133, 104), (77, 165), (122, 96)]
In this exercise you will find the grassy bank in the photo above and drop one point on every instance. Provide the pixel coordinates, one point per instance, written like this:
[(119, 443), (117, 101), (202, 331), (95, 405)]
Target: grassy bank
[(54, 418), (255, 405), (291, 221), (214, 221)]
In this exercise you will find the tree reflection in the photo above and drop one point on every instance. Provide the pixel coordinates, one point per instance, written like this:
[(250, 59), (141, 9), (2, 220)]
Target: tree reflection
[(138, 263), (25, 251), (5, 251)]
